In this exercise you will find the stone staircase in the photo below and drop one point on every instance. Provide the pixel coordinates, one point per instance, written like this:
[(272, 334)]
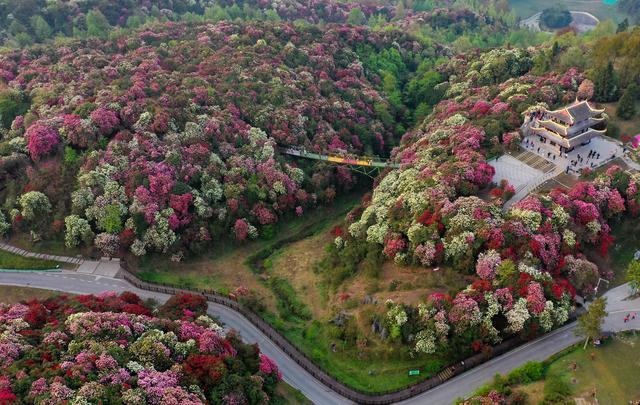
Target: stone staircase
[(445, 374), (530, 188)]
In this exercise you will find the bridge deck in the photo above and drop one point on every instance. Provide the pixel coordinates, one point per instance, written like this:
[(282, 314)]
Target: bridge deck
[(354, 161)]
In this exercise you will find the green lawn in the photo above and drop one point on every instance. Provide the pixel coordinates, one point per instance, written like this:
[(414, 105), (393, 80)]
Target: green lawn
[(290, 395), (389, 370), (526, 8), (627, 242), (54, 246), (12, 261), (224, 267), (613, 372)]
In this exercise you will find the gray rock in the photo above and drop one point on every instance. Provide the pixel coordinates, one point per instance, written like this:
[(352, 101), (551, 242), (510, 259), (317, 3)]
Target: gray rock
[(384, 334), (375, 326), (340, 319), (368, 299)]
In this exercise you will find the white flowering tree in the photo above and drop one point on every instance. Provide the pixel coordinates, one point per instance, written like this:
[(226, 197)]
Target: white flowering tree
[(4, 225), (77, 231)]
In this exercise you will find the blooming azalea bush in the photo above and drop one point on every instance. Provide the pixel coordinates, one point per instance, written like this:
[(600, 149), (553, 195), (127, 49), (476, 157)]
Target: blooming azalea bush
[(109, 348)]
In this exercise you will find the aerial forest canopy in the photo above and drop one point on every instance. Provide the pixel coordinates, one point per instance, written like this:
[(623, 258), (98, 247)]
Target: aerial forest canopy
[(24, 22), (167, 137), (159, 130)]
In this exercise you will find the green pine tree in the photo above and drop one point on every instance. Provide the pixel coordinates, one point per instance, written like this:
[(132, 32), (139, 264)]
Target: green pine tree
[(356, 17), (40, 27), (97, 24), (606, 83), (627, 105), (633, 275)]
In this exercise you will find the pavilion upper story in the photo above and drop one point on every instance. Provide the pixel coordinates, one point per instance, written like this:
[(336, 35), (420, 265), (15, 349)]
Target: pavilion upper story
[(566, 127)]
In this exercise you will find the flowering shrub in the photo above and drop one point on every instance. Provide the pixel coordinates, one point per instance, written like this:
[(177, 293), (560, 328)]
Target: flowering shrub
[(41, 140), (184, 306), (103, 349)]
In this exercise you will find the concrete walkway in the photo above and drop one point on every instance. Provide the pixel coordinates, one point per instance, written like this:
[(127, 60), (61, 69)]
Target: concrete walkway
[(104, 267), (516, 172), (525, 171), (21, 252), (530, 188)]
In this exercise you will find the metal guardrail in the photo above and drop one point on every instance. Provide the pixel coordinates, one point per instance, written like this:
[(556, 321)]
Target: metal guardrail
[(360, 397), (30, 271)]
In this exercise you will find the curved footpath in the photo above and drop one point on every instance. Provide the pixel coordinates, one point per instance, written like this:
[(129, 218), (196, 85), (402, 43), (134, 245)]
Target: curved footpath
[(297, 377)]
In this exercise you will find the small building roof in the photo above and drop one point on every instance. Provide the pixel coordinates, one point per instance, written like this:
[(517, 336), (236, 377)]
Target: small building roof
[(576, 112)]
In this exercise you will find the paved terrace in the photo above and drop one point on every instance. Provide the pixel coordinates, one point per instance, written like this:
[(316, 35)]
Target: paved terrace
[(605, 149)]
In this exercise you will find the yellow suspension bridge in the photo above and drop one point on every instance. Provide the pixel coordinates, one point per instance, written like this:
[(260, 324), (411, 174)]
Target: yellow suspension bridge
[(362, 164)]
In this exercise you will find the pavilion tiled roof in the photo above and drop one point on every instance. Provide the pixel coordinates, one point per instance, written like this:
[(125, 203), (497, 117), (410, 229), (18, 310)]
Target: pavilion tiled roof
[(576, 112)]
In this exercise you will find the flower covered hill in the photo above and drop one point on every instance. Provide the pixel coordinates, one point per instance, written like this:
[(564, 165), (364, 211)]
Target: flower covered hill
[(525, 265), (167, 138), (26, 21), (111, 349)]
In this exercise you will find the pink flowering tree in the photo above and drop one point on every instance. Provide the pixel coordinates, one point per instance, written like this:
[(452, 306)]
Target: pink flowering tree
[(41, 140), (487, 264), (105, 119)]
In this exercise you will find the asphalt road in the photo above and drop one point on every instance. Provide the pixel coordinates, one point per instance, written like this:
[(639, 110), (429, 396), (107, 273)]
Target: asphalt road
[(297, 377)]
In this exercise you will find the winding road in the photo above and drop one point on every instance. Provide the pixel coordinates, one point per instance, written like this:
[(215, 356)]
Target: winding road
[(296, 376)]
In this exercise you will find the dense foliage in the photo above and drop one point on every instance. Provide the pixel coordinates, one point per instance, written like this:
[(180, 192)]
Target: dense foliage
[(556, 17), (165, 138), (23, 22), (111, 349), (152, 137)]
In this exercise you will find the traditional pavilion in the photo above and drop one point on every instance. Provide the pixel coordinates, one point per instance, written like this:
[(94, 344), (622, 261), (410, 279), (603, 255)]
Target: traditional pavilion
[(566, 127)]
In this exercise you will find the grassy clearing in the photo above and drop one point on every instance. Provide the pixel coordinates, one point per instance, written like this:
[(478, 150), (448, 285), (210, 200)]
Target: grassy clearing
[(16, 262), (224, 268), (384, 369), (628, 128), (54, 246), (290, 395), (14, 295), (282, 273), (375, 365), (613, 372), (526, 8)]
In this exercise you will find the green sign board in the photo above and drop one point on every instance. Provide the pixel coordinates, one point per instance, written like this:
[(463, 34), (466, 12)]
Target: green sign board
[(414, 372)]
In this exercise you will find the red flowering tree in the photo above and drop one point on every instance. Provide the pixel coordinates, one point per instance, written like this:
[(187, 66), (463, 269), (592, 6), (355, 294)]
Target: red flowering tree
[(184, 306)]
